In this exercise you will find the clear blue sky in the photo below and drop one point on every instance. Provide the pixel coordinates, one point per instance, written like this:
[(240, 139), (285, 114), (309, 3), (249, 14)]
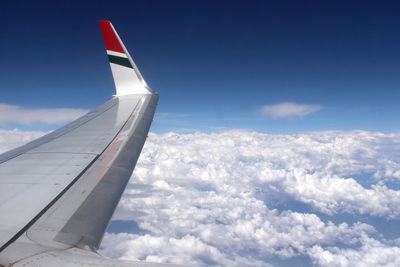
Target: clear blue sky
[(215, 64)]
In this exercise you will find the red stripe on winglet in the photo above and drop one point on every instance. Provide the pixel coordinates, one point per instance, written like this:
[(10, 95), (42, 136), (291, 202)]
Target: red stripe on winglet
[(110, 39)]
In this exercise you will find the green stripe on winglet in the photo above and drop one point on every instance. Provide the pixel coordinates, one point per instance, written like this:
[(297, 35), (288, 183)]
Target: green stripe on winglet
[(123, 61)]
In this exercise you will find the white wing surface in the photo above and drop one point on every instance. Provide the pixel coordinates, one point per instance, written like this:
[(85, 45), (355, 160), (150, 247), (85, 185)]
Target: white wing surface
[(58, 193)]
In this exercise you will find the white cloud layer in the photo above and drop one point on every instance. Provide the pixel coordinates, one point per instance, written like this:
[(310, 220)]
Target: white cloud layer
[(288, 110), (18, 115), (371, 253), (240, 198)]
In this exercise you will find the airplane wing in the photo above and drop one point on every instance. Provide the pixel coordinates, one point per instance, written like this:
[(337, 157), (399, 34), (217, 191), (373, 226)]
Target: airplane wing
[(58, 193)]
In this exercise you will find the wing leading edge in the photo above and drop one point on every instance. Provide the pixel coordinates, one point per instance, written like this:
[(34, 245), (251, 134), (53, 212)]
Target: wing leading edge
[(58, 193)]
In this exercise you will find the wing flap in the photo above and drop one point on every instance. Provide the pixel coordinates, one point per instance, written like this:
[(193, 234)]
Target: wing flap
[(24, 195), (31, 180), (82, 215)]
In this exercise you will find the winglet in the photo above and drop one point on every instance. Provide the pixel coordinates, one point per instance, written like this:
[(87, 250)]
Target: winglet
[(127, 77)]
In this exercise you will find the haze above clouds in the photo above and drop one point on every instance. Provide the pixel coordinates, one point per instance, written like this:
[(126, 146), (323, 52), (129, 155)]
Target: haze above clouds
[(241, 198), (25, 116)]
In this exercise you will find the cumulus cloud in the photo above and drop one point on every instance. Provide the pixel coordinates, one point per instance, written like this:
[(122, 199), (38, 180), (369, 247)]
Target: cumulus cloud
[(371, 253), (240, 198), (288, 110), (247, 198), (24, 116)]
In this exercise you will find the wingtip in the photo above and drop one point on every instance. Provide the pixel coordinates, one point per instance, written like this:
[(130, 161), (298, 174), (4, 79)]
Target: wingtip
[(111, 40), (127, 77), (103, 21)]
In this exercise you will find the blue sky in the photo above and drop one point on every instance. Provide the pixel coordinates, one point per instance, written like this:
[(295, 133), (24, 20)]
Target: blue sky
[(215, 64)]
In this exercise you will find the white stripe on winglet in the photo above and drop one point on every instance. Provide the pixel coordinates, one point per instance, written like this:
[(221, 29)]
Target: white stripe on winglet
[(113, 53)]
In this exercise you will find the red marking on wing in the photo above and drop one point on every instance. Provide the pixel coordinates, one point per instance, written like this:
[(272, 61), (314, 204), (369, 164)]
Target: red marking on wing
[(109, 156), (110, 38)]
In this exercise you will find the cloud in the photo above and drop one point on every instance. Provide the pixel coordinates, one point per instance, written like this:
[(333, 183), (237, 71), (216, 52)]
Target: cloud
[(288, 110), (241, 198), (18, 115), (170, 117), (253, 199), (371, 253)]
